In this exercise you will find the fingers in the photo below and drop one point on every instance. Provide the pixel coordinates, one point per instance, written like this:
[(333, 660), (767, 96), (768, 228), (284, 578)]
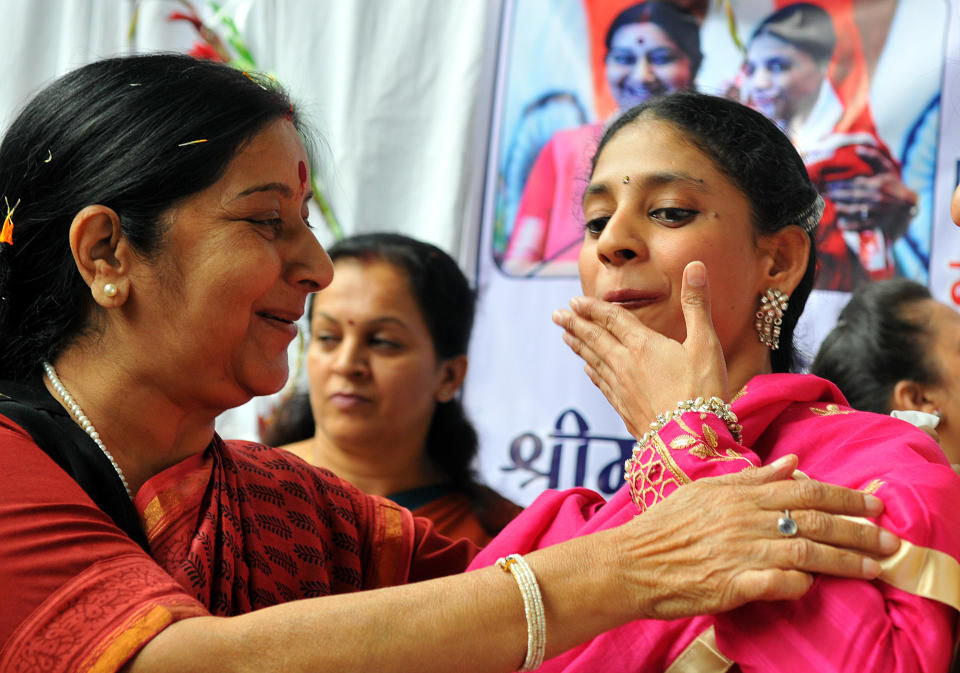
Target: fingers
[(811, 494), (778, 470), (845, 532), (615, 320), (772, 585), (591, 342), (701, 340), (799, 553), (876, 158), (695, 302)]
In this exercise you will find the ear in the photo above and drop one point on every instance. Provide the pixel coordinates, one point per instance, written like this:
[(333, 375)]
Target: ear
[(452, 373), (102, 255), (785, 254), (912, 395)]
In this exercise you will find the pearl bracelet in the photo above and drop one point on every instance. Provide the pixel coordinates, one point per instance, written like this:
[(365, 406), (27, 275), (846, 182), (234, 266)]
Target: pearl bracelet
[(714, 405), (532, 608)]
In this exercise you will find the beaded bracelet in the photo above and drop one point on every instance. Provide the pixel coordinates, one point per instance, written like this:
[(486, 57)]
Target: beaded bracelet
[(532, 608), (714, 405)]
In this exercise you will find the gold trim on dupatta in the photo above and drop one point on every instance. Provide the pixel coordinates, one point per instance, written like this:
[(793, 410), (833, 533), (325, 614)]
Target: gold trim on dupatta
[(701, 656), (921, 571)]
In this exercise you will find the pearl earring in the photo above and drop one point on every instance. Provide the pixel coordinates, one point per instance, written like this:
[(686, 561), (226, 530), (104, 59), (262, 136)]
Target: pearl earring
[(110, 290)]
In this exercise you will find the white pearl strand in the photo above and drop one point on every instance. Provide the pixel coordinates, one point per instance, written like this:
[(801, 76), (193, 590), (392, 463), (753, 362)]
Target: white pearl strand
[(82, 419)]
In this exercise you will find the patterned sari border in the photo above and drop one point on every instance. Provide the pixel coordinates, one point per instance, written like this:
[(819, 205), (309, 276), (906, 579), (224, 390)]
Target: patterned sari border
[(131, 637), (388, 546)]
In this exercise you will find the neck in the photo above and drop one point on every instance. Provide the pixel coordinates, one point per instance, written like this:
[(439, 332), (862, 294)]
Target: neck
[(745, 365), (145, 431), (378, 469)]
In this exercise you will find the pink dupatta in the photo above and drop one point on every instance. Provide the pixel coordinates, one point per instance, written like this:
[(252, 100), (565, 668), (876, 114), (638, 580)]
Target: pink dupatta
[(904, 621)]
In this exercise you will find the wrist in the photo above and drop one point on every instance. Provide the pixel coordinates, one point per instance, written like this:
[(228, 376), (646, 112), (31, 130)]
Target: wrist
[(713, 405)]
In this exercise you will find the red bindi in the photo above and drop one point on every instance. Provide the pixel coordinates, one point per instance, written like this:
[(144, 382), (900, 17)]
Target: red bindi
[(302, 170)]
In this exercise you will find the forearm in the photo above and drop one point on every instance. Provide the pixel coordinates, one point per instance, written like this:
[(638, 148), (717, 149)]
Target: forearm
[(470, 622)]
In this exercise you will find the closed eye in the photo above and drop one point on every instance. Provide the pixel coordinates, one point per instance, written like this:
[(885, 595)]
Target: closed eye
[(274, 223)]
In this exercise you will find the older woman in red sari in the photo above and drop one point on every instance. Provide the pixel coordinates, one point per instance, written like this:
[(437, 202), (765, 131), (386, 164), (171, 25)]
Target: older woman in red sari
[(696, 263), (154, 256)]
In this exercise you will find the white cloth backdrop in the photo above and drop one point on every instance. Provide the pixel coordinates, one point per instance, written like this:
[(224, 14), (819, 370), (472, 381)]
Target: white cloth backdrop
[(400, 92), (403, 94)]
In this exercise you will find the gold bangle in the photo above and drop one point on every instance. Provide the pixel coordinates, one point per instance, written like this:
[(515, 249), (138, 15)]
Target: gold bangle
[(532, 608), (714, 405)]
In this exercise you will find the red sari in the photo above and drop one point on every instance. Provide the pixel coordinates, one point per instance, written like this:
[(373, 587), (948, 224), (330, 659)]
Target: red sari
[(237, 528)]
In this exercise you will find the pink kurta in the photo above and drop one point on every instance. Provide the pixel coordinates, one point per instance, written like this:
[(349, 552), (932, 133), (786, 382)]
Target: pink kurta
[(904, 621)]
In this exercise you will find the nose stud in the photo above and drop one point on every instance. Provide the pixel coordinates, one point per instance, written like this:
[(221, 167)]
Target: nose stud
[(625, 179)]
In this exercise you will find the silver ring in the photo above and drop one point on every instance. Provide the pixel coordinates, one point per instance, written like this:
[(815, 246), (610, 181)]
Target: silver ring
[(787, 526)]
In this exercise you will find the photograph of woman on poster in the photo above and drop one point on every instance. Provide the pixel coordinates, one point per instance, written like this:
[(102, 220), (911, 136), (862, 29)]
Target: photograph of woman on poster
[(652, 48), (786, 76)]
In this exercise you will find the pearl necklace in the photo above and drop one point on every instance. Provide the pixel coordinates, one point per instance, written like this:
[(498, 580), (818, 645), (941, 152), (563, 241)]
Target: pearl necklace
[(82, 419)]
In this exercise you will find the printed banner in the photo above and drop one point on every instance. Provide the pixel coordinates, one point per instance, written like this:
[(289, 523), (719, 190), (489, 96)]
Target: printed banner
[(856, 85)]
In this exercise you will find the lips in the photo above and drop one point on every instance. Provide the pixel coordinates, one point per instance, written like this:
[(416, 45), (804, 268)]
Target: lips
[(283, 320), (631, 299), (348, 401)]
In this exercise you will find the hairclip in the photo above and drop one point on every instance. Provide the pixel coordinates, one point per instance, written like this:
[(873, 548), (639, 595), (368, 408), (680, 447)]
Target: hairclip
[(6, 233), (49, 156), (256, 81), (193, 142), (809, 217)]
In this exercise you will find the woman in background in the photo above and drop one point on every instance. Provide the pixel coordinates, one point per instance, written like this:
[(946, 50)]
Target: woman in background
[(868, 207), (653, 48), (894, 349), (387, 356)]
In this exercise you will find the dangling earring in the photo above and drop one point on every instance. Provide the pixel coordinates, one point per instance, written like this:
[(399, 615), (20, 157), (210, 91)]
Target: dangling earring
[(773, 304), (110, 290)]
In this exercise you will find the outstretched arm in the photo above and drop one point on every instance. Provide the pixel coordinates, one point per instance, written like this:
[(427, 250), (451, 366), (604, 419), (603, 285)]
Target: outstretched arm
[(590, 584)]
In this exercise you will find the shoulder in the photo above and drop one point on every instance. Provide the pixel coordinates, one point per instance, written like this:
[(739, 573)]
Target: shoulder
[(299, 481)]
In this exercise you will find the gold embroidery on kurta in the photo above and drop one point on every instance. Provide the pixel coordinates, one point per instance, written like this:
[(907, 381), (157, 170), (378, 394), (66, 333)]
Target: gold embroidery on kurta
[(874, 486), (682, 442), (651, 472), (831, 410), (705, 445)]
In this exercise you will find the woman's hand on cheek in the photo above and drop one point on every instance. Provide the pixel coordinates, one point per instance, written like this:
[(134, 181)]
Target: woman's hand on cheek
[(643, 373)]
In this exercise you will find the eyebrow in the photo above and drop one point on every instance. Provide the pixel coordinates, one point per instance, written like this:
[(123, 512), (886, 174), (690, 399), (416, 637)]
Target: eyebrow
[(265, 187), (655, 180), (374, 322)]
